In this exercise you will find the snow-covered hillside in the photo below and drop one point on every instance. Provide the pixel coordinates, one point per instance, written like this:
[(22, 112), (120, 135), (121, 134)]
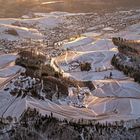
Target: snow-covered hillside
[(116, 98), (78, 38)]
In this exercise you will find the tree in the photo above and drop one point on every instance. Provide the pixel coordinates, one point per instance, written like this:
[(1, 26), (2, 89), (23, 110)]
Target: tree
[(85, 66), (12, 32), (113, 61), (137, 76), (110, 75)]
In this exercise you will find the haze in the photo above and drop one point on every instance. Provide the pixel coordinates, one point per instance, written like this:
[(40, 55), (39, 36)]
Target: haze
[(16, 8)]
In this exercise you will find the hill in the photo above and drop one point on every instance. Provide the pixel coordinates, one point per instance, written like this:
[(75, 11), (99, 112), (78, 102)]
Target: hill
[(17, 8)]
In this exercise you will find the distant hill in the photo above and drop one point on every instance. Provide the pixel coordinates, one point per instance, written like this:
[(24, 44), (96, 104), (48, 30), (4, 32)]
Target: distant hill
[(17, 8)]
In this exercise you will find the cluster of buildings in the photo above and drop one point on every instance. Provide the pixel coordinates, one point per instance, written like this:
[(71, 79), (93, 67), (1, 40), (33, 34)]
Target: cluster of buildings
[(24, 85), (117, 21), (77, 96), (72, 26)]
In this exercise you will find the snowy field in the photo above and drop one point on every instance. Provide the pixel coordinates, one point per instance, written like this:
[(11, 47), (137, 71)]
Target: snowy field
[(97, 52), (113, 99), (135, 32), (22, 32), (28, 28), (98, 59), (8, 70)]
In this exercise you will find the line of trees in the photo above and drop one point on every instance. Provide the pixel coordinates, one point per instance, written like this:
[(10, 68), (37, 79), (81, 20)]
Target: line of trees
[(33, 126), (128, 70), (126, 46)]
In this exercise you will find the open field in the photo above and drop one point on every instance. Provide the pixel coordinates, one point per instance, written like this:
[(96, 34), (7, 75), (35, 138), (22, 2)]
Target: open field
[(115, 98), (8, 70), (118, 96)]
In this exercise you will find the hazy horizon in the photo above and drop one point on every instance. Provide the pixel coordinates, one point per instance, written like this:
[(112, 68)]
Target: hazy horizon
[(17, 8)]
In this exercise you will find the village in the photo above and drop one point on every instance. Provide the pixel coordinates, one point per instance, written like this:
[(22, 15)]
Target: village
[(73, 27), (60, 65)]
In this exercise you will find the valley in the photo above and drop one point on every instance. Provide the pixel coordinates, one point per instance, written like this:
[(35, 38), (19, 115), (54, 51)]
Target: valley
[(58, 66)]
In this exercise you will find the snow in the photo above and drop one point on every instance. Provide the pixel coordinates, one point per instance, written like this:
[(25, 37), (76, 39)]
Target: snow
[(115, 98), (135, 107), (98, 45), (51, 2), (48, 21), (23, 32), (6, 59), (134, 35), (108, 29), (91, 76), (91, 34), (6, 72), (78, 42), (111, 88), (25, 17)]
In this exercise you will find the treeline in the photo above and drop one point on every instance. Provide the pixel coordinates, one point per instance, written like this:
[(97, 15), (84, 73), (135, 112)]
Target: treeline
[(128, 70), (33, 61), (129, 65), (35, 126), (126, 46)]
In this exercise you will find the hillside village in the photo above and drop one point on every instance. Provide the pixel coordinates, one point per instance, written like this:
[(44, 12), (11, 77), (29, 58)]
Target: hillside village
[(61, 73)]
